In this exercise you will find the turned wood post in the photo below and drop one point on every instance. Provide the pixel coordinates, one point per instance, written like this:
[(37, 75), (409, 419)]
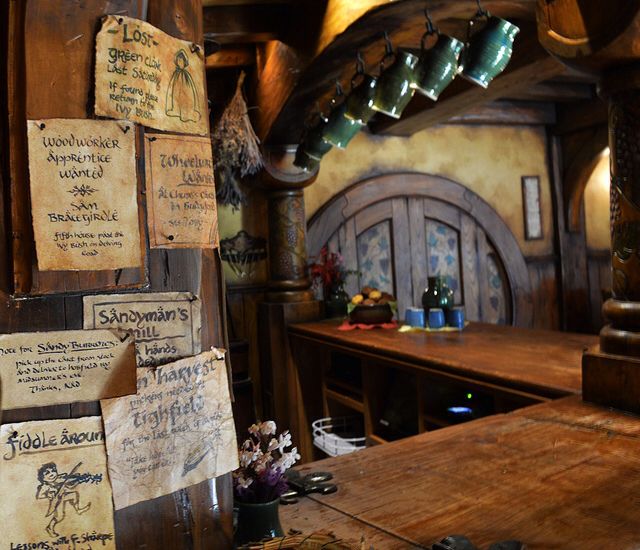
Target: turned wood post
[(604, 42), (288, 298), (621, 88), (288, 274)]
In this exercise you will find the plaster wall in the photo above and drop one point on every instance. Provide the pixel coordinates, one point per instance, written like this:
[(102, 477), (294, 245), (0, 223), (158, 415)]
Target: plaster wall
[(596, 207), (489, 160)]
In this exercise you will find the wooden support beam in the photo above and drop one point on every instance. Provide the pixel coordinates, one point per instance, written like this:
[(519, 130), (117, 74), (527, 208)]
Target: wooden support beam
[(580, 115), (505, 112), (231, 57), (557, 92), (246, 24), (530, 65)]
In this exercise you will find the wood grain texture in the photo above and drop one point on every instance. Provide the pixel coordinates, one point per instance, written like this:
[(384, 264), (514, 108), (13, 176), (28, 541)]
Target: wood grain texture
[(543, 362), (562, 474)]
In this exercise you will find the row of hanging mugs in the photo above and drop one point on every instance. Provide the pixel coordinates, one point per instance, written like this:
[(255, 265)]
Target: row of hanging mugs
[(427, 70)]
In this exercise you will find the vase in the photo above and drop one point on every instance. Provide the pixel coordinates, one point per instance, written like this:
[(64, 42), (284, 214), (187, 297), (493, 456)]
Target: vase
[(336, 304), (257, 521), (437, 295)]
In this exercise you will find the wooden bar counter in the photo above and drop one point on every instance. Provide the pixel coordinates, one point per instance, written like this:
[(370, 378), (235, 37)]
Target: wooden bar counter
[(560, 475), (344, 372)]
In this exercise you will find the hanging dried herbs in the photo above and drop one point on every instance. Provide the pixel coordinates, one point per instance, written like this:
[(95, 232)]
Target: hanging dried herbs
[(236, 149)]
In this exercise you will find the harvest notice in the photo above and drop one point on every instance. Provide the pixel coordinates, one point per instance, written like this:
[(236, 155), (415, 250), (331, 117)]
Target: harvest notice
[(59, 496), (181, 192), (50, 368), (177, 431), (149, 77), (166, 325), (83, 194)]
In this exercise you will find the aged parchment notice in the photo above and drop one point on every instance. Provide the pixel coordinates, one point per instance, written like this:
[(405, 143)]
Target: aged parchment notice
[(83, 194), (166, 325), (181, 192), (149, 77), (56, 489), (50, 368), (176, 432)]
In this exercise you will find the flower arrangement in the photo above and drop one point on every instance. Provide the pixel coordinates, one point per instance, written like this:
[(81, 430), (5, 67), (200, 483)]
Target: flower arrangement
[(328, 271), (263, 462)]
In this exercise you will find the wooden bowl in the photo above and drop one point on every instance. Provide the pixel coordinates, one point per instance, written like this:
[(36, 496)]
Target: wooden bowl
[(372, 315)]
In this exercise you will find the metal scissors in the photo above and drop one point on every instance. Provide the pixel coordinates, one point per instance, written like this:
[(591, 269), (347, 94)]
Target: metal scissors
[(300, 485)]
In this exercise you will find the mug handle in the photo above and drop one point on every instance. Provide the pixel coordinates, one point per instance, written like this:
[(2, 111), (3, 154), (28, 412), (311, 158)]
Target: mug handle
[(480, 14), (388, 51), (359, 69), (431, 31)]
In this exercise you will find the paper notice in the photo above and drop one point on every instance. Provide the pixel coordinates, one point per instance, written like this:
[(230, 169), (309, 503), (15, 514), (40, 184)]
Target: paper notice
[(181, 192), (166, 325), (176, 432), (83, 194), (56, 489), (147, 76), (50, 368)]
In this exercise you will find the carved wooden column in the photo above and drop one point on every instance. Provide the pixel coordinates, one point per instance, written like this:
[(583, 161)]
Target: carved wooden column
[(288, 278), (604, 42), (288, 299)]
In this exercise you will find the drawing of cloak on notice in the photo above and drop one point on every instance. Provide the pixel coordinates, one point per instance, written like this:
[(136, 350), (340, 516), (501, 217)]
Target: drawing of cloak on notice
[(182, 96)]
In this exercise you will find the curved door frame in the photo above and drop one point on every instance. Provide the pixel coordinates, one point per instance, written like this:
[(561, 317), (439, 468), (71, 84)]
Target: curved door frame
[(326, 221)]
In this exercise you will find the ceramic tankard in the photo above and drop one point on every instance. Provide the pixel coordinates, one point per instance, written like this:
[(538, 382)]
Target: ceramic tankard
[(360, 100), (489, 49), (438, 65), (340, 130), (394, 90)]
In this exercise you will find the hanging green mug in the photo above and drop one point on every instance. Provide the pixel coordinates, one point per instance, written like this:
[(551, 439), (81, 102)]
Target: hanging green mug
[(313, 143), (438, 65), (394, 90), (304, 161), (489, 50), (340, 130), (360, 100)]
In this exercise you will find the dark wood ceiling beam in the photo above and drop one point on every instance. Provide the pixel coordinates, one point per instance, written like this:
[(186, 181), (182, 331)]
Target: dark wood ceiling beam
[(508, 112), (557, 92), (530, 64), (246, 24), (231, 57), (574, 117)]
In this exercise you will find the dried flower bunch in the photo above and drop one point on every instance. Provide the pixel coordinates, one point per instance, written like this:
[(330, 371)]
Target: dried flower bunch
[(236, 148), (329, 271), (263, 462)]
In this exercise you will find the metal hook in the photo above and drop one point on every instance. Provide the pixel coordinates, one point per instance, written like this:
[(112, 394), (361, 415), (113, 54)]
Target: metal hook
[(388, 46), (481, 11), (429, 24), (359, 63), (339, 89)]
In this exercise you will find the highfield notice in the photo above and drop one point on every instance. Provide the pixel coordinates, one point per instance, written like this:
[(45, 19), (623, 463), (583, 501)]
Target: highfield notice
[(177, 431)]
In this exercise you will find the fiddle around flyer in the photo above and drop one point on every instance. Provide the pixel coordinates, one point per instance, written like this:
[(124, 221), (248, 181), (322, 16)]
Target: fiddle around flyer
[(61, 496)]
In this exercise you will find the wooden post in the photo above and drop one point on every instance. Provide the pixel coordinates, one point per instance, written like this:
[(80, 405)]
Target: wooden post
[(585, 37), (288, 299)]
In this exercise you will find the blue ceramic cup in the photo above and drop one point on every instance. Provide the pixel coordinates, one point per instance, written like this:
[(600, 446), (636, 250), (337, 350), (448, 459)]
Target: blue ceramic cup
[(414, 316), (436, 318), (455, 317)]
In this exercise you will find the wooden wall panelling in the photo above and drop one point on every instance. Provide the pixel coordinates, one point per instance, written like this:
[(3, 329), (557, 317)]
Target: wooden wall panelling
[(470, 267), (60, 86), (544, 286), (56, 84), (572, 249), (402, 255), (418, 248), (599, 266)]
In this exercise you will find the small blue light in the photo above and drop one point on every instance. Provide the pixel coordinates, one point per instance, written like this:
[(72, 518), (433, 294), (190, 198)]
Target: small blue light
[(460, 410)]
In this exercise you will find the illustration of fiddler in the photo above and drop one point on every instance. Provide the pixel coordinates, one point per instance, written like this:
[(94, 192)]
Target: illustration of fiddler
[(59, 490), (182, 95)]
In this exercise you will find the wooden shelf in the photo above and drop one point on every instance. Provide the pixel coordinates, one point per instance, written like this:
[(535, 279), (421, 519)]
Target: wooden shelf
[(429, 419), (345, 400), (330, 381), (377, 439)]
